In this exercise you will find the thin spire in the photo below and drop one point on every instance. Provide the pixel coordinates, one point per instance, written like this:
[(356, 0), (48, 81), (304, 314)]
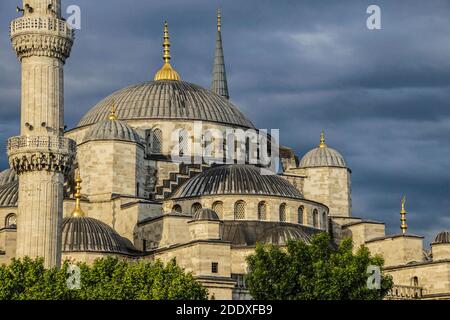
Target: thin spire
[(78, 212), (166, 72), (403, 225), (219, 83), (322, 140)]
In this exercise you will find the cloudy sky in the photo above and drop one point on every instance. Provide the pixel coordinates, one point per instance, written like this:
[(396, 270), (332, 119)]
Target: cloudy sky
[(383, 96)]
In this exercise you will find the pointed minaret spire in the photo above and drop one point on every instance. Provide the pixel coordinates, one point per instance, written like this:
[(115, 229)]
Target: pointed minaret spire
[(403, 225), (219, 83)]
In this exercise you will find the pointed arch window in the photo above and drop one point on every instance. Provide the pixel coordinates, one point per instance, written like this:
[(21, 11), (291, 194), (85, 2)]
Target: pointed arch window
[(315, 218), (262, 210), (301, 217), (239, 210), (218, 208), (196, 207), (283, 212), (177, 208), (11, 221)]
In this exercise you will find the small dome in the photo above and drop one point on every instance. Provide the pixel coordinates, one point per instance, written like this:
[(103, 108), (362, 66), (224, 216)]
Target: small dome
[(9, 193), (236, 180), (206, 214), (442, 237), (282, 234), (7, 176), (112, 130), (323, 156), (83, 234)]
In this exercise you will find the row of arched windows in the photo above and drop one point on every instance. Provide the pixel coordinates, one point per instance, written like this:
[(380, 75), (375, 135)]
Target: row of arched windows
[(240, 212)]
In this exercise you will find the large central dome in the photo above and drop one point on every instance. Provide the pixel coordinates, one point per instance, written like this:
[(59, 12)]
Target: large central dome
[(170, 100)]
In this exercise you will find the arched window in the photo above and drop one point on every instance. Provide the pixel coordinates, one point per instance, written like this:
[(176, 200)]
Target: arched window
[(262, 210), (157, 141), (218, 208), (177, 208), (415, 281), (300, 217), (324, 221), (315, 218), (183, 142), (196, 207), (239, 210), (283, 212), (11, 221)]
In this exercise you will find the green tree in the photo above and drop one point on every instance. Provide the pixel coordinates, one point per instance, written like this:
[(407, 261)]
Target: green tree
[(313, 271), (106, 279)]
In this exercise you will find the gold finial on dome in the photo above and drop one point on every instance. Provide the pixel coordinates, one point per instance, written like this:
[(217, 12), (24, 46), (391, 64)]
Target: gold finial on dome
[(322, 140), (219, 20), (166, 72), (403, 226), (112, 114), (78, 212)]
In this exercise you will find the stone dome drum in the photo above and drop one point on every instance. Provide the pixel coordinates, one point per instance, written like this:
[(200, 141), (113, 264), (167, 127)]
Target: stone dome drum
[(83, 234), (167, 100), (236, 180), (112, 130)]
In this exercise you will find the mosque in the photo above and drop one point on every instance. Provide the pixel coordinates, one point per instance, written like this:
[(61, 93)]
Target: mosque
[(113, 185)]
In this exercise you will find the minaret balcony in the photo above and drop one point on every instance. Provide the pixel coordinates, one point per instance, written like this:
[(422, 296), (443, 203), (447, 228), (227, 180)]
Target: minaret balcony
[(37, 153), (49, 25)]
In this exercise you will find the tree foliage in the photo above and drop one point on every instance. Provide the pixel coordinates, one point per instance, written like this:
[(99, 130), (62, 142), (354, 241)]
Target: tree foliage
[(106, 279), (313, 272)]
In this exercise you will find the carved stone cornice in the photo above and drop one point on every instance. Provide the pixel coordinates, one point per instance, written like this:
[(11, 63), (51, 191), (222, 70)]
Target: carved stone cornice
[(41, 153), (41, 36)]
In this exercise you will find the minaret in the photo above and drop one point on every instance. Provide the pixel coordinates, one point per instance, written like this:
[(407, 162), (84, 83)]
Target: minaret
[(41, 156), (219, 83)]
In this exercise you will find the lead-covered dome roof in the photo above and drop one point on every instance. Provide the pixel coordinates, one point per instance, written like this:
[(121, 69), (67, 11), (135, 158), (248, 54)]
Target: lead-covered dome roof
[(280, 235), (9, 194), (112, 130), (236, 180), (7, 176), (323, 156), (83, 234), (442, 237), (167, 100), (206, 215)]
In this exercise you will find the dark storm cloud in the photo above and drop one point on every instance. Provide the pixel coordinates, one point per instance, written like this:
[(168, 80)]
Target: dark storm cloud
[(301, 66)]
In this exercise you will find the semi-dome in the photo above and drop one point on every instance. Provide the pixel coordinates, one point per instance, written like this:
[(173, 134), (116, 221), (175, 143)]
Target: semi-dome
[(9, 194), (236, 180), (112, 130), (206, 214), (7, 176), (442, 237), (83, 234), (280, 235), (167, 100), (323, 156)]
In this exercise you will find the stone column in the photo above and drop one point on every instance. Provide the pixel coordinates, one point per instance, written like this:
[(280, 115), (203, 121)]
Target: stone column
[(41, 156)]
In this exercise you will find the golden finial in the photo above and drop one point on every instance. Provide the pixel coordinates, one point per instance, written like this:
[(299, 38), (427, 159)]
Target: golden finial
[(403, 226), (322, 140), (78, 212), (219, 20), (166, 72), (112, 113)]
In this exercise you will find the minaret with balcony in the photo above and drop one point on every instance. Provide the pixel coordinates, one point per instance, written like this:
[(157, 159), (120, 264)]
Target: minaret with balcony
[(41, 155)]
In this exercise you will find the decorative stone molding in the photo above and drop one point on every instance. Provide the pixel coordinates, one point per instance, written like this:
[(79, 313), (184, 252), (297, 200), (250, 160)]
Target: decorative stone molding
[(41, 36), (41, 153)]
